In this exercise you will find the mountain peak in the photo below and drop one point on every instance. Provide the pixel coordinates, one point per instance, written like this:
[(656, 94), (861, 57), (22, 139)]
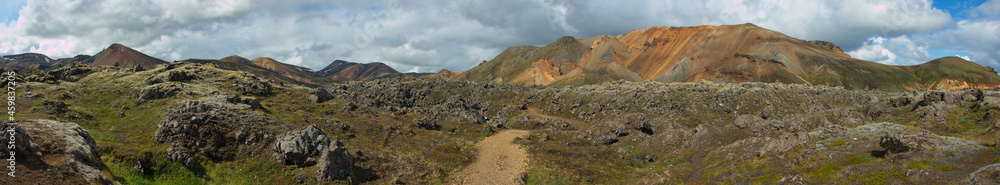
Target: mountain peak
[(340, 70), (119, 55), (236, 58)]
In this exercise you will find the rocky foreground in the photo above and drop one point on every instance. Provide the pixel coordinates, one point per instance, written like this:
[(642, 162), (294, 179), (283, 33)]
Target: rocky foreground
[(185, 123)]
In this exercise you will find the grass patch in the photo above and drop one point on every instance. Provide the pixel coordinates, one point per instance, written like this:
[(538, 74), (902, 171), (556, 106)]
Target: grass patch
[(856, 160), (827, 171), (835, 143)]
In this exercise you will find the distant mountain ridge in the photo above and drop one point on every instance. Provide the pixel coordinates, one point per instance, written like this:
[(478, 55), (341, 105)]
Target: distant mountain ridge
[(733, 53), (118, 55), (341, 70)]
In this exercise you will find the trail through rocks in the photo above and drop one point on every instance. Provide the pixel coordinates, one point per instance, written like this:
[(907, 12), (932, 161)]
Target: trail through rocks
[(498, 161), (579, 124)]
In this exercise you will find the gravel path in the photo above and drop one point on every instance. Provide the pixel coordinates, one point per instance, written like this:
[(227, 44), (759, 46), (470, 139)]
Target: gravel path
[(498, 161)]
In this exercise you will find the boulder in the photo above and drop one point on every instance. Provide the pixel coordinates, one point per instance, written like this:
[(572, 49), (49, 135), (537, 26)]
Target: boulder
[(300, 146), (213, 128), (606, 139), (900, 101), (249, 84), (931, 97), (319, 95), (136, 68), (65, 147), (427, 124), (56, 107), (185, 156), (252, 102), (153, 80), (159, 91), (335, 163), (893, 144), (989, 174), (180, 75), (72, 73)]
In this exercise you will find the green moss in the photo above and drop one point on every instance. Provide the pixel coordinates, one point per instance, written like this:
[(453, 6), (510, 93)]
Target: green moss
[(919, 164), (835, 143), (877, 177), (856, 160), (943, 167), (827, 171)]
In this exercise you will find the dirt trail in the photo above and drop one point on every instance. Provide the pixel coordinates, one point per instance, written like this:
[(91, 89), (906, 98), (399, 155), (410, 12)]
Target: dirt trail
[(499, 160), (580, 125)]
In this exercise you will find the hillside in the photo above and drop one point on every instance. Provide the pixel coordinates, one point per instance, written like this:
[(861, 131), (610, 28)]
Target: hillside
[(344, 71), (237, 63), (27, 61), (291, 71), (954, 73), (732, 53), (444, 74), (118, 55)]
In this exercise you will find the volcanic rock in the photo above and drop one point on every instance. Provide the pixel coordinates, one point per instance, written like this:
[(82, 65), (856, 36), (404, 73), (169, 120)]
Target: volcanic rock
[(335, 163), (319, 95), (300, 146), (215, 128), (893, 144), (58, 143)]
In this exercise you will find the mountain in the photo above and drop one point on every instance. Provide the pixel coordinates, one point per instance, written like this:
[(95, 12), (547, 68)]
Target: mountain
[(236, 59), (733, 53), (343, 71), (291, 71), (121, 56), (238, 63), (27, 61), (954, 73), (417, 75), (444, 74)]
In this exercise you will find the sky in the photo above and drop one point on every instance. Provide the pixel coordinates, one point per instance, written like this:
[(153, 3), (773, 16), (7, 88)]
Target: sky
[(426, 36)]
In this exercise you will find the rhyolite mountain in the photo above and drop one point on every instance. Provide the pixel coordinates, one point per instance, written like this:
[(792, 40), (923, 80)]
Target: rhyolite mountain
[(444, 74), (118, 55), (342, 71), (732, 53), (291, 71)]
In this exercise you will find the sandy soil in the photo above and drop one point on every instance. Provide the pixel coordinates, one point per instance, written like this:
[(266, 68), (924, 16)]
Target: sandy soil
[(499, 160)]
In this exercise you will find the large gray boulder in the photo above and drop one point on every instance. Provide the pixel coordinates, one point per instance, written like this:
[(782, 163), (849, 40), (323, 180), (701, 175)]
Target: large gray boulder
[(65, 147), (300, 146), (319, 95), (335, 163), (212, 128)]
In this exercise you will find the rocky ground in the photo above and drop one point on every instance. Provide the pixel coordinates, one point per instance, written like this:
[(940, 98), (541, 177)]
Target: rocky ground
[(187, 123)]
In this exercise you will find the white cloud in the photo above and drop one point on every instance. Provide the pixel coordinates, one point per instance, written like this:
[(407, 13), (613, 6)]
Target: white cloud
[(965, 57), (457, 35), (874, 50)]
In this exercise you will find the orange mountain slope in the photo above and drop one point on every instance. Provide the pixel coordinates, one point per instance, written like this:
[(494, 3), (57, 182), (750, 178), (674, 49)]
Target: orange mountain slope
[(733, 53), (120, 56)]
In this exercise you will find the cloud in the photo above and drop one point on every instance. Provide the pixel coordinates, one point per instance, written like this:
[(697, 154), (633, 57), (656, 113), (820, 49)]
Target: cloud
[(458, 35)]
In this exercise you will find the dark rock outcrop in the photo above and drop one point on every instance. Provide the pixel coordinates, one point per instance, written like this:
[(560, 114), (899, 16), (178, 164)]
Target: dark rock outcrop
[(180, 75), (300, 146), (319, 95), (159, 91), (335, 163), (213, 129), (989, 174), (251, 85), (59, 144)]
